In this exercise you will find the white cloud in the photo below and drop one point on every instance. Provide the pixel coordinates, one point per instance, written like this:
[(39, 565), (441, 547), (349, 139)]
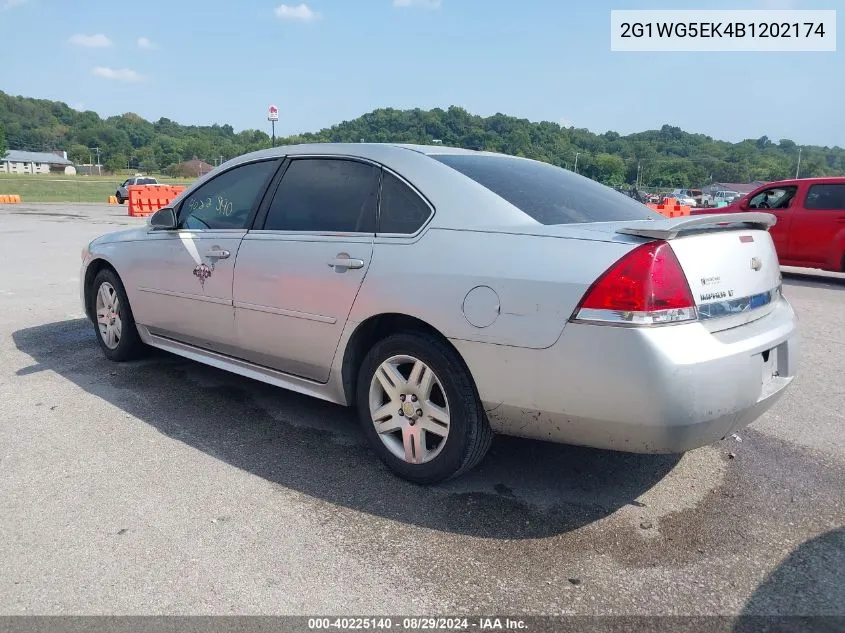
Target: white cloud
[(423, 4), (301, 12), (146, 43), (117, 74), (11, 4), (91, 41)]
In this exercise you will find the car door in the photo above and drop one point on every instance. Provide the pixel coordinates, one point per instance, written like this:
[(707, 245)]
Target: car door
[(184, 277), (817, 223), (299, 270), (779, 201)]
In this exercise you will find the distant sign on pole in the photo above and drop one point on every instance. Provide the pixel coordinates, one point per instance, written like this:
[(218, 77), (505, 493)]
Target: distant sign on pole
[(273, 113)]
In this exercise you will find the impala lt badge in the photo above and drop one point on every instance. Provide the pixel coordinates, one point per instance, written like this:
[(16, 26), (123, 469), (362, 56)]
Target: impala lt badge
[(756, 263)]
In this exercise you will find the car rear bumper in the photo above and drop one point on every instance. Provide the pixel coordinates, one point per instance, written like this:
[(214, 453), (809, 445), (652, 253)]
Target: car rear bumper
[(646, 390)]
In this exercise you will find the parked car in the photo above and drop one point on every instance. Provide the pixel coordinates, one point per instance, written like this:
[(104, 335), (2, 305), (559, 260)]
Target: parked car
[(449, 294), (810, 229), (122, 193), (684, 197), (701, 199), (725, 196)]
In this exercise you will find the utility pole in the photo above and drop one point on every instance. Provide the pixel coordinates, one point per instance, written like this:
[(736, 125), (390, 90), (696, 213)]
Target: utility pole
[(799, 163), (96, 149), (576, 161)]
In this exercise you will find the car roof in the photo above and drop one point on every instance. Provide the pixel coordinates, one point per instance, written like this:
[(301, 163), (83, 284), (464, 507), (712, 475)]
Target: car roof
[(818, 180), (374, 151)]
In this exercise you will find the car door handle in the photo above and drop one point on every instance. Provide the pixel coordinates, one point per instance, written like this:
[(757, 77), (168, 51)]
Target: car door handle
[(217, 253), (346, 262)]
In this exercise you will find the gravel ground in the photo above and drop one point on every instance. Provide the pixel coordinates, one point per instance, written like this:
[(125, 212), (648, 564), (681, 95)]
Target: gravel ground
[(164, 486)]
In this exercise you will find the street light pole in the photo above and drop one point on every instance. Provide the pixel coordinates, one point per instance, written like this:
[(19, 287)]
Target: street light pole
[(799, 163), (576, 161)]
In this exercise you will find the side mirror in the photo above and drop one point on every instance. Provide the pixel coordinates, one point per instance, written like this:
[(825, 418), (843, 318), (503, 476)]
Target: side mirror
[(163, 220), (743, 204)]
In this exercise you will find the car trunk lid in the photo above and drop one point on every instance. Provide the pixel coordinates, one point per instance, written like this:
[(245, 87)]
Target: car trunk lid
[(729, 260)]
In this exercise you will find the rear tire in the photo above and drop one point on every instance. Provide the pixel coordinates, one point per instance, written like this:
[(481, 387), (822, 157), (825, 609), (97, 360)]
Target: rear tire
[(442, 430), (113, 321)]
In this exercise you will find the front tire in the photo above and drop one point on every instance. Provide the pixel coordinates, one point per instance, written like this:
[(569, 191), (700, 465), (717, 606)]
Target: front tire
[(419, 409), (113, 321)]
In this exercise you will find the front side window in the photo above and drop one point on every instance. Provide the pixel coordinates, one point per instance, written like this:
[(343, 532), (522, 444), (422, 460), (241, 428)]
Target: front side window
[(775, 198), (401, 209), (227, 201), (830, 197), (325, 195), (548, 194)]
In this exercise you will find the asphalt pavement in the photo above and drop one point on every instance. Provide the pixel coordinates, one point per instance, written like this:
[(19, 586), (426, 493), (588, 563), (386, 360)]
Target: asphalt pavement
[(165, 486)]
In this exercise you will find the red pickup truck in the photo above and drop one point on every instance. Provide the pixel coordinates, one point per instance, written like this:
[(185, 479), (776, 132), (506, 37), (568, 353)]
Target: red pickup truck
[(810, 230)]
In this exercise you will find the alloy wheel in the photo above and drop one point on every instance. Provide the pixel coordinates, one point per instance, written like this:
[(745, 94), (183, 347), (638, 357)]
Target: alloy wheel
[(409, 409), (108, 315)]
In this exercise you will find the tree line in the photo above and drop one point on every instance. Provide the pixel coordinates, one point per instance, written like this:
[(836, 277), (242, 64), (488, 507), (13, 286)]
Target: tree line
[(668, 157)]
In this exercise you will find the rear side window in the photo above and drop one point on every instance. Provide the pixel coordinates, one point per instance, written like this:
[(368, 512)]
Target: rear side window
[(549, 194), (401, 209), (826, 197), (325, 195)]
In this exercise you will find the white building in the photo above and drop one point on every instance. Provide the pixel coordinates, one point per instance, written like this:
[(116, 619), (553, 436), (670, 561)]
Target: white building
[(18, 162)]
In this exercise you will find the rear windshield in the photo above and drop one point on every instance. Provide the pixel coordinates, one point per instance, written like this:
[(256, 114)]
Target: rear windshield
[(549, 194)]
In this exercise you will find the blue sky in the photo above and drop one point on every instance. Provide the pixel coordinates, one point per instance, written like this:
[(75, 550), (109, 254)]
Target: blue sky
[(206, 61)]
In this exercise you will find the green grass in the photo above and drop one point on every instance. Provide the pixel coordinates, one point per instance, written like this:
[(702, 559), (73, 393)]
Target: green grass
[(61, 188)]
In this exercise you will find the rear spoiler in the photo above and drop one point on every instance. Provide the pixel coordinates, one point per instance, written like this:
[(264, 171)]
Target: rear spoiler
[(669, 228)]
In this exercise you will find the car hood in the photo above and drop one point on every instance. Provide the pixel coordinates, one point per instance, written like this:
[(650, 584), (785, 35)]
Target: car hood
[(128, 235)]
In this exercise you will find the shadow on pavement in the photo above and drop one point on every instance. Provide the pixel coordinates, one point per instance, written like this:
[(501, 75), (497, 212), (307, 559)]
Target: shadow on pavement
[(810, 280), (808, 586), (524, 489)]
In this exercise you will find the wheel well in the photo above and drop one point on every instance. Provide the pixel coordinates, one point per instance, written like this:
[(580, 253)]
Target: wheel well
[(370, 332), (93, 268)]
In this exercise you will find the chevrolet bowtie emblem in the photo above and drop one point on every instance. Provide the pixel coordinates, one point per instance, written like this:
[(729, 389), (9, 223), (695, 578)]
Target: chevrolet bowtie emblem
[(756, 263)]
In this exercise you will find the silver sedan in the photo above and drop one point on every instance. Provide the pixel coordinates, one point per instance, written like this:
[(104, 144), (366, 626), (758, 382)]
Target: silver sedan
[(451, 294)]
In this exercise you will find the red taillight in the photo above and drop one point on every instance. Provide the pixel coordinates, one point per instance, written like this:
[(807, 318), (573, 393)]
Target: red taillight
[(646, 287)]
